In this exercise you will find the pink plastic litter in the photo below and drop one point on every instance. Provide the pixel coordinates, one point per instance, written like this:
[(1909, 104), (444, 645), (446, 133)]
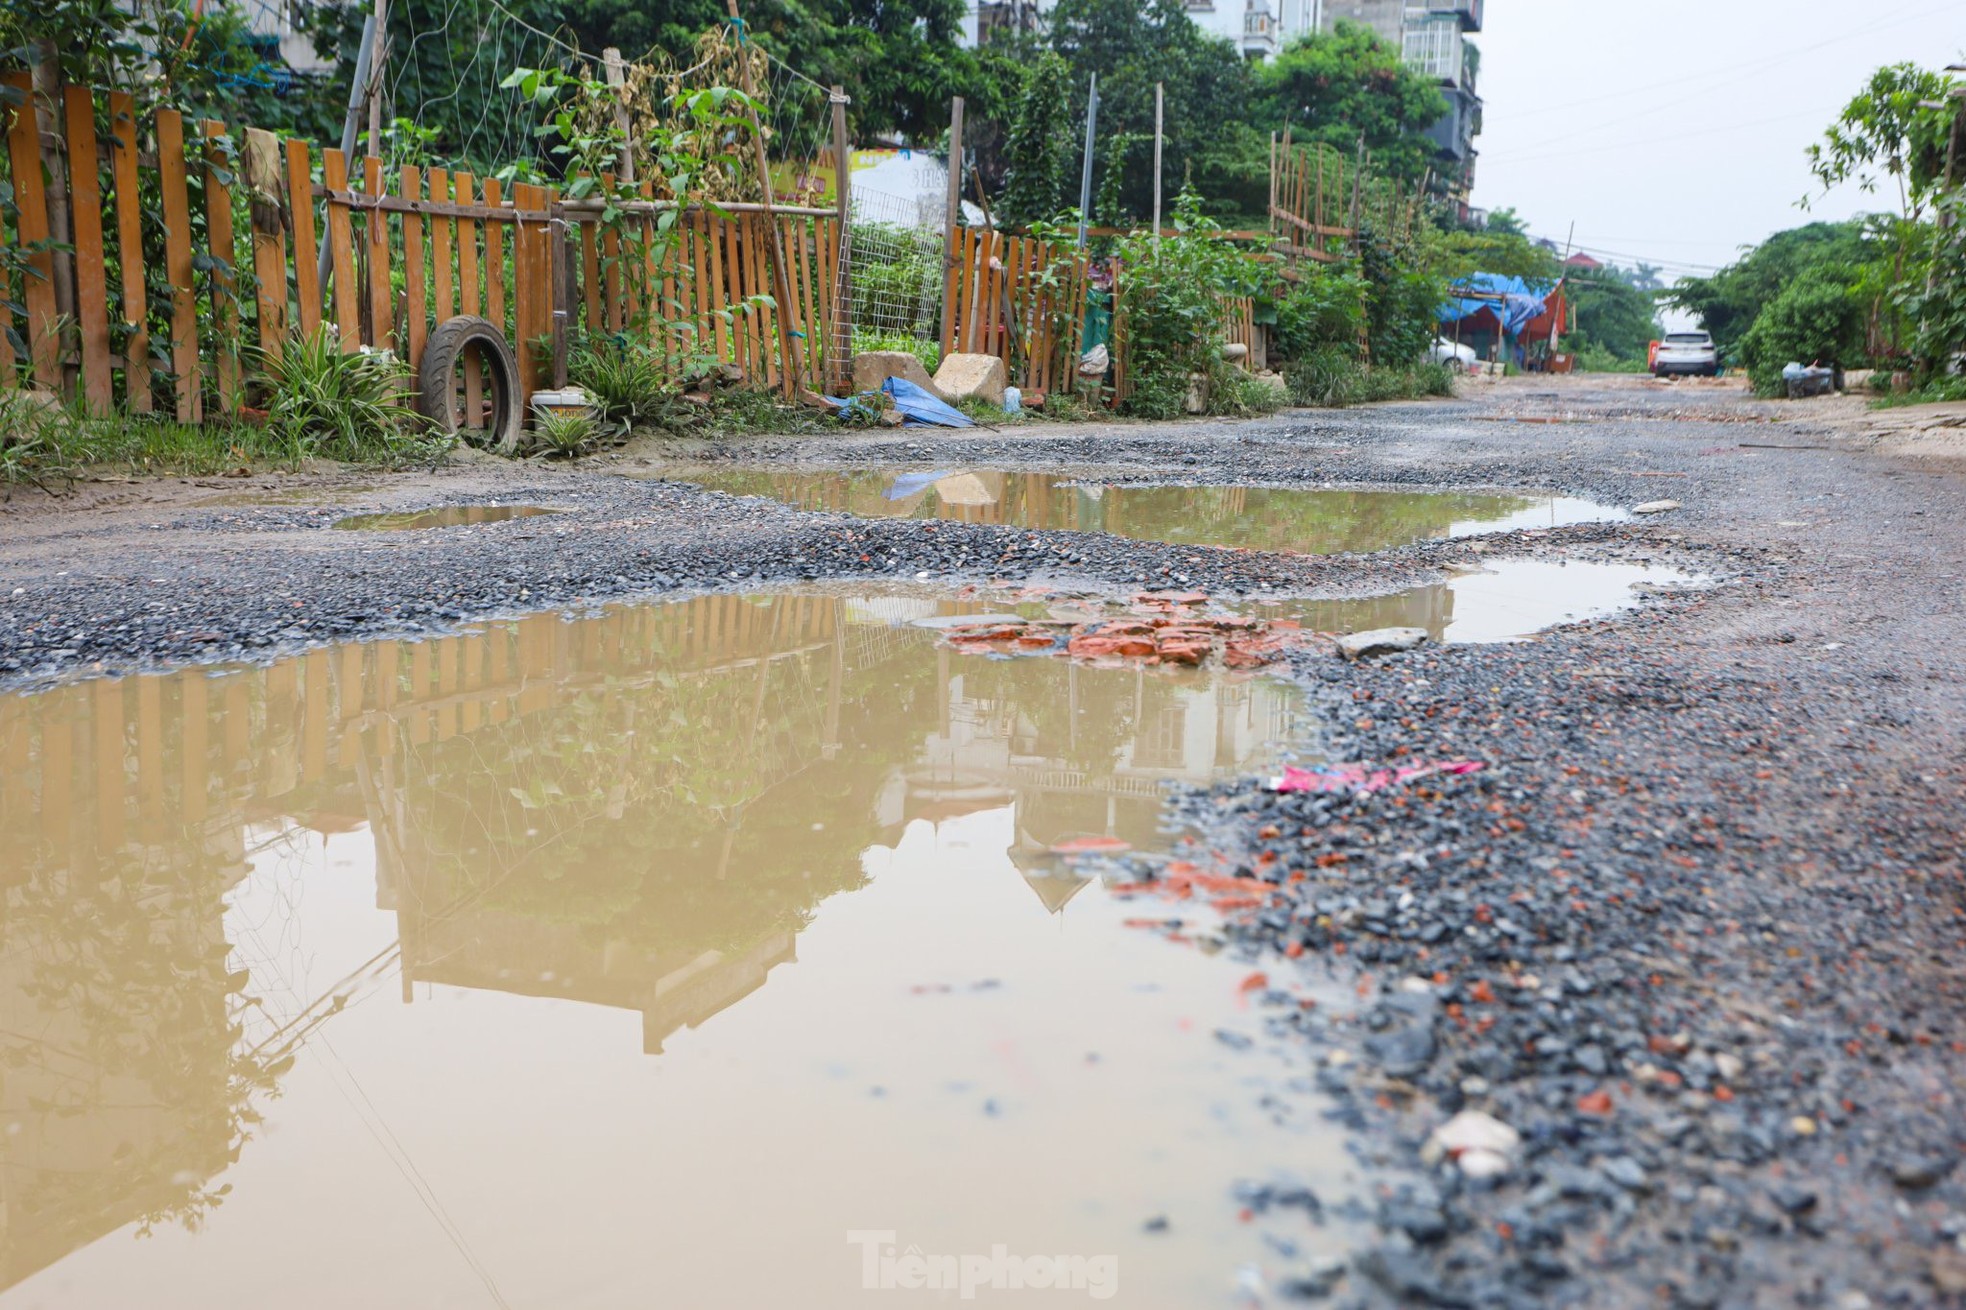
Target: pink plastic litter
[(1359, 778)]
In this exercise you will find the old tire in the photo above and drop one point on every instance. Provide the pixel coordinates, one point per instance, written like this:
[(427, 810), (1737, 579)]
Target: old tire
[(449, 344)]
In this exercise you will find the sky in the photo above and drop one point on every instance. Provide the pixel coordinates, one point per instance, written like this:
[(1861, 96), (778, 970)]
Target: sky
[(1675, 132)]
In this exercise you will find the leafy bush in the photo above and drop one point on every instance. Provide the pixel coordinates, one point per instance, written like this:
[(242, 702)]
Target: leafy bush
[(1171, 295), (1325, 307), (626, 380), (322, 401), (1816, 319), (1236, 394), (565, 434)]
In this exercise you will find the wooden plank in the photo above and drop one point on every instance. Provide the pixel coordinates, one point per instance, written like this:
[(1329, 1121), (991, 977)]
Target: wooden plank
[(262, 173), (341, 250), (300, 206), (91, 288), (187, 381), (223, 246), (9, 371), (31, 201), (443, 282), (416, 312), (494, 261), (382, 299), (590, 277), (467, 276), (526, 310), (718, 303), (611, 299), (698, 274)]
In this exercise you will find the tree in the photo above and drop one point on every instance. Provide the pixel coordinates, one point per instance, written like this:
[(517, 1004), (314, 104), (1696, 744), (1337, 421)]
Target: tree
[(1896, 127), (1131, 47), (1612, 315), (1343, 86), (1035, 154), (1728, 302)]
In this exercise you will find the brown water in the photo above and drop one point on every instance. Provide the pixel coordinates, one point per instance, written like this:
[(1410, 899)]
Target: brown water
[(453, 516), (1315, 522), (631, 961)]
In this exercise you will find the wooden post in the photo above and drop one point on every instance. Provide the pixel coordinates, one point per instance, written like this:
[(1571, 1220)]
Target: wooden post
[(618, 82), (839, 345), (951, 209), (1158, 87), (375, 81), (177, 266), (123, 143), (45, 105), (793, 372), (1272, 211), (91, 293)]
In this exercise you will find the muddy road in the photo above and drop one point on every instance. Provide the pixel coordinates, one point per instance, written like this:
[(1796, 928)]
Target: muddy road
[(1609, 948)]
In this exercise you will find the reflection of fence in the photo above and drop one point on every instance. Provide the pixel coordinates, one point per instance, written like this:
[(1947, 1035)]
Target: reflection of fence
[(403, 252)]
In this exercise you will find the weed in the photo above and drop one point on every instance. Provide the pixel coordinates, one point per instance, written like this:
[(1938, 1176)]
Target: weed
[(323, 401), (32, 439), (565, 433), (628, 381), (1938, 391)]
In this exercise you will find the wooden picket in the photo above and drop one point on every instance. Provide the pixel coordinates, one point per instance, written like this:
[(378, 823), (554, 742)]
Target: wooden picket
[(397, 264), (1020, 299)]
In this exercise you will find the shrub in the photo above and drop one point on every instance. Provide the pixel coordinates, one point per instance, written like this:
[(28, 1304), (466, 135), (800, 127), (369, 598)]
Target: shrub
[(1325, 307), (322, 401), (629, 382), (1815, 319), (564, 433)]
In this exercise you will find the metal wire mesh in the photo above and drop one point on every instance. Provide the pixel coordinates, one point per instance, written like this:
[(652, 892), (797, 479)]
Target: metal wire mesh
[(897, 269)]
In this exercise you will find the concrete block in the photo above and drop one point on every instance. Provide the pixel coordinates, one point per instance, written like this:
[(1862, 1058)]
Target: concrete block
[(966, 377)]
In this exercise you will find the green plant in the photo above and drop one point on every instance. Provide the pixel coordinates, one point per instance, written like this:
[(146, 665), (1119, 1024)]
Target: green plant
[(32, 433), (1816, 319), (565, 433), (1236, 394), (324, 401), (928, 352), (627, 380)]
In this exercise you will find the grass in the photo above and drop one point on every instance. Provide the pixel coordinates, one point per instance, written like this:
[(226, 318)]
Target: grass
[(1938, 391), (1332, 379), (322, 401)]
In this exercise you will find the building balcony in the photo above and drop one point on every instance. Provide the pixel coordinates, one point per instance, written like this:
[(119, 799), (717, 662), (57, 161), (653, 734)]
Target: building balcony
[(1261, 34), (1467, 11)]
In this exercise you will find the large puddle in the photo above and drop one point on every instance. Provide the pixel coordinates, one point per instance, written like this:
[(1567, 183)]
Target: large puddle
[(1315, 522), (658, 957)]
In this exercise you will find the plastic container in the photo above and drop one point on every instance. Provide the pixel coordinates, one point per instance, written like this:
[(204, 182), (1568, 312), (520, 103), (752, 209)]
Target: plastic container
[(1013, 400)]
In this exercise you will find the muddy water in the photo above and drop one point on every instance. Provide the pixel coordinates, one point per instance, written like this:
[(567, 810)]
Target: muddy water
[(631, 961), (454, 516), (1259, 518)]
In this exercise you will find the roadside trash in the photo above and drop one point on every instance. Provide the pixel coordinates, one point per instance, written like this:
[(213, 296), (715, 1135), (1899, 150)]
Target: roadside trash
[(1656, 507), (1808, 380), (1482, 1145), (918, 405), (1013, 401), (1095, 362), (1358, 778)]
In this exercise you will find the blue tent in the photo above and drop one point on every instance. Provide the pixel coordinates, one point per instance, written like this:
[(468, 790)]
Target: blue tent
[(1514, 301)]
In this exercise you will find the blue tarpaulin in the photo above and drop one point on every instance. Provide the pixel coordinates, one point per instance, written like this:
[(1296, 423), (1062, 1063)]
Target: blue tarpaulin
[(1519, 301), (920, 406)]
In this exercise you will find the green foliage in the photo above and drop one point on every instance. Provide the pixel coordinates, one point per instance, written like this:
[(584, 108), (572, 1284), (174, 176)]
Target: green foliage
[(1035, 156), (928, 352), (1336, 87), (1500, 249), (1728, 302), (1816, 319), (1324, 308), (328, 403), (1171, 294), (1939, 391), (1615, 320), (32, 440), (627, 380), (1402, 302), (1332, 378), (565, 433), (1895, 128), (1234, 393)]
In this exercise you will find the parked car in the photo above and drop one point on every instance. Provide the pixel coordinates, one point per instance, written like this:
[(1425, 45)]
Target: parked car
[(1455, 355), (1686, 352)]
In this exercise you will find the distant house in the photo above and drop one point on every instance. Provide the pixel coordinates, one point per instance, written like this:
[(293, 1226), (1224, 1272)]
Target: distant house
[(1583, 263)]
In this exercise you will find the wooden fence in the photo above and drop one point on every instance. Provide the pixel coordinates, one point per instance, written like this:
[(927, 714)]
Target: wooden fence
[(1319, 203), (406, 250), (1020, 299)]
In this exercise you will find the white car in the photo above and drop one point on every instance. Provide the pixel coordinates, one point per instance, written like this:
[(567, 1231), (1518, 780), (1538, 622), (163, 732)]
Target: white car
[(1454, 355), (1686, 352)]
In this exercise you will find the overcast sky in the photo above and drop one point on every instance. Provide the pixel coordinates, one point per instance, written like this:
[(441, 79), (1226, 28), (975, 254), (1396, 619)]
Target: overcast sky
[(1674, 131)]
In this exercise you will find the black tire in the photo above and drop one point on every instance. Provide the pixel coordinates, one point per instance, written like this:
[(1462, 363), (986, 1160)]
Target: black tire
[(436, 398)]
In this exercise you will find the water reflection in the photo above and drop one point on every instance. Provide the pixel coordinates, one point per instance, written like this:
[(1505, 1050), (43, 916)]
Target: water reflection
[(1259, 518), (641, 811)]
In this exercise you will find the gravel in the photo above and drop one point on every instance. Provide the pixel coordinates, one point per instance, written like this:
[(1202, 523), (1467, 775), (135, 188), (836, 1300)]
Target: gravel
[(1695, 932)]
